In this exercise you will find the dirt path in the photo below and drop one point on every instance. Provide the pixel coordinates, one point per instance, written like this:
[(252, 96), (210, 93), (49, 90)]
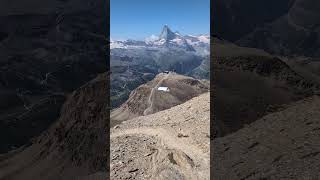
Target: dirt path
[(170, 140), (170, 144), (150, 101)]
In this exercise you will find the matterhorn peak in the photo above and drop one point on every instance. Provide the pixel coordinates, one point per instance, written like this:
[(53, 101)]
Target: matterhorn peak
[(167, 34)]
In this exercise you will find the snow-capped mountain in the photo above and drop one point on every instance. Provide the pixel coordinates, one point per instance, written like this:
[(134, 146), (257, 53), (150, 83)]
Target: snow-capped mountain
[(127, 44), (169, 40), (167, 34), (201, 43), (196, 40)]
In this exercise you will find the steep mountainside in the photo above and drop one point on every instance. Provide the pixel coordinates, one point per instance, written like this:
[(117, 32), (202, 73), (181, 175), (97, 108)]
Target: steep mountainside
[(288, 27), (232, 19), (47, 50), (147, 99), (266, 87), (202, 71), (295, 33), (282, 145), (250, 83), (74, 147)]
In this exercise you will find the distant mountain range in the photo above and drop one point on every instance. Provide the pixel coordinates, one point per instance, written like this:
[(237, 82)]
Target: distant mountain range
[(168, 39)]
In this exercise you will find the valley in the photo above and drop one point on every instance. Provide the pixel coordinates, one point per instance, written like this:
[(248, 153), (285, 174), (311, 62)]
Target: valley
[(134, 63)]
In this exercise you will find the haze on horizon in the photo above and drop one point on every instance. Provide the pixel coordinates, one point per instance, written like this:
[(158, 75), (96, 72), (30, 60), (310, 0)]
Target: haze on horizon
[(140, 19)]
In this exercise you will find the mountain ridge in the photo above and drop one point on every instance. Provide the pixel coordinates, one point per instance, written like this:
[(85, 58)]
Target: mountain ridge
[(168, 39), (146, 99)]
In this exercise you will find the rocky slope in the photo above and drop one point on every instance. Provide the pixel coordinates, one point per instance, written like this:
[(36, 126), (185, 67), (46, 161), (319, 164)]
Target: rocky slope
[(146, 99), (47, 50), (266, 110), (74, 147), (281, 145), (295, 33), (250, 83), (288, 27), (202, 71), (170, 144), (233, 19)]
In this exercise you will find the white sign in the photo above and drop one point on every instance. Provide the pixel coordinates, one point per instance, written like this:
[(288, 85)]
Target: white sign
[(165, 89)]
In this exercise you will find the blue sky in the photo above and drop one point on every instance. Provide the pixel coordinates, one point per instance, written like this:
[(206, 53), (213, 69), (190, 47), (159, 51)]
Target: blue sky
[(138, 19)]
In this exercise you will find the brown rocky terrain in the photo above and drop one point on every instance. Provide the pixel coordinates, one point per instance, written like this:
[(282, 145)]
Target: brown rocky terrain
[(265, 104), (250, 83), (74, 147), (281, 145), (266, 110), (146, 99), (169, 144)]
